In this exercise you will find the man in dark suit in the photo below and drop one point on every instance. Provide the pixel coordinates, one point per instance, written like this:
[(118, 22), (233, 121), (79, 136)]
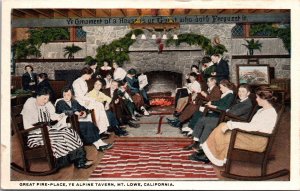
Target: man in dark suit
[(222, 68), (213, 93), (118, 106), (29, 79)]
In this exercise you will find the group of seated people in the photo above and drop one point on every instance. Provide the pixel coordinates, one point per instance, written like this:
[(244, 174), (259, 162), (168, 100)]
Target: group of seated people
[(111, 104), (201, 109), (117, 100)]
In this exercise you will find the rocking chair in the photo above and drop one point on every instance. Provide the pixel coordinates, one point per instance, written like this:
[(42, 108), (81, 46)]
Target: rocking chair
[(262, 158), (29, 154)]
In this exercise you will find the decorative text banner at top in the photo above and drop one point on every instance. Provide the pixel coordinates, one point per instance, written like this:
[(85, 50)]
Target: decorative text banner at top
[(124, 21)]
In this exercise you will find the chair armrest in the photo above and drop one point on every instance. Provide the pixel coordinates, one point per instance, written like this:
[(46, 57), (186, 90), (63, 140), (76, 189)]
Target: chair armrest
[(237, 118), (35, 127), (252, 133)]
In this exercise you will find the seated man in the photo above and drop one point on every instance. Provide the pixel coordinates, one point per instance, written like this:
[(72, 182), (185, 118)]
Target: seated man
[(241, 108), (88, 131), (213, 93), (192, 88), (118, 106), (139, 96)]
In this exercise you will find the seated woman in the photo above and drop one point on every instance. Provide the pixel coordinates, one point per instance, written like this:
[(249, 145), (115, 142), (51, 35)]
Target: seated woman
[(66, 144), (100, 97), (29, 79), (213, 93), (88, 131), (119, 73), (223, 103), (43, 82), (138, 95), (193, 88), (108, 80), (241, 108), (215, 148), (80, 88), (105, 69)]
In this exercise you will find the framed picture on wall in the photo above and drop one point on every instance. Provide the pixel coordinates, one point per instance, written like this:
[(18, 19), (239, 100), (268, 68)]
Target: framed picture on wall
[(253, 74)]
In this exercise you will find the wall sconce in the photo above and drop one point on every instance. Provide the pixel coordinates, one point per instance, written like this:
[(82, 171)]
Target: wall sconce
[(133, 36), (168, 26)]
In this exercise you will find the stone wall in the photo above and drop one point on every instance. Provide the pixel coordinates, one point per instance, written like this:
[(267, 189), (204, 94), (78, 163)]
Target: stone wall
[(145, 58), (49, 67), (270, 46)]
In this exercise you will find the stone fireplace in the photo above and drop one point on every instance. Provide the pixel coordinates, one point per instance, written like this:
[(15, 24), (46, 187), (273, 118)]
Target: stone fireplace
[(163, 81)]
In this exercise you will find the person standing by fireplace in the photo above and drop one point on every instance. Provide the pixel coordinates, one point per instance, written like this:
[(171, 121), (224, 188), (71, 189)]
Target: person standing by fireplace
[(222, 68)]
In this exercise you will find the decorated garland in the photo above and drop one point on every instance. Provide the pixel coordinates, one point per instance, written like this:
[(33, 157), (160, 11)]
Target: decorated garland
[(200, 40)]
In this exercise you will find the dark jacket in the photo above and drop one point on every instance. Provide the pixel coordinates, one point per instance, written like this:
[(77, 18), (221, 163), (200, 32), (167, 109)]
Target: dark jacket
[(241, 109), (225, 102), (133, 84), (222, 70), (26, 79), (62, 107)]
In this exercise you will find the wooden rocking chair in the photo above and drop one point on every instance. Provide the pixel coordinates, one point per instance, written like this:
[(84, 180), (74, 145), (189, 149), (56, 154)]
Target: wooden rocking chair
[(262, 158), (29, 154)]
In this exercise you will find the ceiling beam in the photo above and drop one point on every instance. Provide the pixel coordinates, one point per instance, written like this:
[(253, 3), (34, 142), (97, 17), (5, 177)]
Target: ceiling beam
[(92, 12), (139, 12), (17, 13), (237, 11), (187, 11), (45, 12), (268, 10), (221, 11), (107, 12), (62, 12), (202, 11), (124, 12), (252, 11), (171, 11), (77, 12), (154, 12), (28, 12)]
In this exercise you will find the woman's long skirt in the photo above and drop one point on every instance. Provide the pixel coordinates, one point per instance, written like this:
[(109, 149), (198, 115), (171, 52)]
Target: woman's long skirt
[(63, 141), (217, 144)]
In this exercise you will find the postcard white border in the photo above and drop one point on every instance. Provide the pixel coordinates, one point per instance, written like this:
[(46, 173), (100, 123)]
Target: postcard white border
[(294, 5)]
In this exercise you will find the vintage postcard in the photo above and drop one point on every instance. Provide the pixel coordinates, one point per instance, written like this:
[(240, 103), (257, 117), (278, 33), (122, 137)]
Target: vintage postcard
[(150, 95)]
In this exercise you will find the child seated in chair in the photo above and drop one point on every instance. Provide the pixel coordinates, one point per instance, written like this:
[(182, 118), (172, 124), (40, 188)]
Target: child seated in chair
[(88, 131)]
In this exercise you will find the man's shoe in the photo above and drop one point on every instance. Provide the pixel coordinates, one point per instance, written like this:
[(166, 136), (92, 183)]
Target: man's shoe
[(189, 147), (132, 124), (105, 147), (138, 115), (177, 114), (86, 165), (104, 136), (199, 158), (197, 148), (172, 120)]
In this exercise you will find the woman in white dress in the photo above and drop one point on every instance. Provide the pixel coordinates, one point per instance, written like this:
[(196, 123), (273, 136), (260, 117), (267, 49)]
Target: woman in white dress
[(119, 73), (66, 144), (80, 88)]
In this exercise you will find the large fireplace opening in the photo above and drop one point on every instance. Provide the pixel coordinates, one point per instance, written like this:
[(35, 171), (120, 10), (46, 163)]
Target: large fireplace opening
[(163, 81)]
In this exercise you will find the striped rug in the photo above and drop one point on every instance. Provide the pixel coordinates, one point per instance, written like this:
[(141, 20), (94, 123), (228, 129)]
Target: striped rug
[(156, 158)]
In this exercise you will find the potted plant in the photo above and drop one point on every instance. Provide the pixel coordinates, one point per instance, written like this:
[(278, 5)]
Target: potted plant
[(253, 45), (71, 50)]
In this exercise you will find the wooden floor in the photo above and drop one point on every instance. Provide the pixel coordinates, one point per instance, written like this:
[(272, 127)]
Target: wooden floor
[(281, 151)]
